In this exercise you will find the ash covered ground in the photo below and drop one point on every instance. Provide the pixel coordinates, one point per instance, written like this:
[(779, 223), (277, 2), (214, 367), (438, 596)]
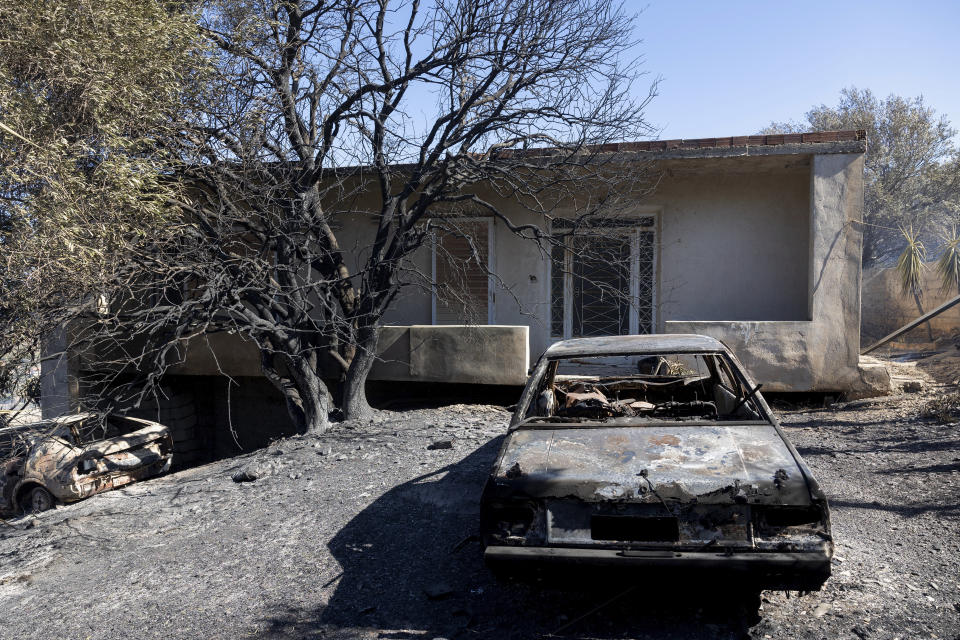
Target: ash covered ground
[(367, 532)]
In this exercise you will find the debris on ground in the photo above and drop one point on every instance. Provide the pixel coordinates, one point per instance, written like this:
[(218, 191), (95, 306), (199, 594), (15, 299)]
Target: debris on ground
[(252, 471), (354, 543), (438, 590)]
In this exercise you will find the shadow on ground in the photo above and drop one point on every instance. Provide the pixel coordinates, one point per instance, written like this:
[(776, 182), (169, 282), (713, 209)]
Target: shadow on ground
[(412, 568)]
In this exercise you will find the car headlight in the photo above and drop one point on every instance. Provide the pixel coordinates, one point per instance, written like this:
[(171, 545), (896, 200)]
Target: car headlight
[(511, 523)]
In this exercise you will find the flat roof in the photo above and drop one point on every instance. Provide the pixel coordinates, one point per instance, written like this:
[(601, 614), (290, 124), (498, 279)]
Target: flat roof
[(812, 143), (845, 141), (773, 140), (622, 345)]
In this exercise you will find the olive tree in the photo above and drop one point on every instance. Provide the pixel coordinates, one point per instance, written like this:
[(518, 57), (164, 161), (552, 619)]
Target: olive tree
[(912, 167), (86, 91)]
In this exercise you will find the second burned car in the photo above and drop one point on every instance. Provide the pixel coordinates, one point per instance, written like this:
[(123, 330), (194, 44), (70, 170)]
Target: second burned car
[(653, 455), (76, 456)]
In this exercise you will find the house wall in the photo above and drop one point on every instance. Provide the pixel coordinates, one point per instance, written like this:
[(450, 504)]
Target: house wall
[(734, 246), (761, 253), (733, 242)]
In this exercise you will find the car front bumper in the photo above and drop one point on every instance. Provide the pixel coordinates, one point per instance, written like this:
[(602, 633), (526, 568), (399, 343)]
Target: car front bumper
[(804, 571)]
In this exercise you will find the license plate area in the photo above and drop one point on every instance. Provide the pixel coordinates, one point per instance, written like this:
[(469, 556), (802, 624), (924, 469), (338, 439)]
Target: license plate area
[(578, 523), (617, 528)]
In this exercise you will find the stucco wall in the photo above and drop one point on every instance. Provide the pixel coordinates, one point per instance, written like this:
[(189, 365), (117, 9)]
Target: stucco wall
[(820, 354), (734, 246), (355, 233)]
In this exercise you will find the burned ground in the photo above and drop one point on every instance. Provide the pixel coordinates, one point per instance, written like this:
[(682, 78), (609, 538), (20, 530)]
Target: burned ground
[(369, 532)]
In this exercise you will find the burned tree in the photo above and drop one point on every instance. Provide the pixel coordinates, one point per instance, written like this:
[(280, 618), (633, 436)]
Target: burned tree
[(313, 117), (512, 76)]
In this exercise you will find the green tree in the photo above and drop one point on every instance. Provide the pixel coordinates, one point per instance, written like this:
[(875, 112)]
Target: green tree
[(88, 90), (912, 168)]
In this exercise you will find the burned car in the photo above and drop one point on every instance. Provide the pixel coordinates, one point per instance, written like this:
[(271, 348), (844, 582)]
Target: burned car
[(652, 455), (73, 457)]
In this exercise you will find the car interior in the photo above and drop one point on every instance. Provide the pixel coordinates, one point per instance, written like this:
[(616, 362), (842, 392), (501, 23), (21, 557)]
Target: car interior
[(646, 387)]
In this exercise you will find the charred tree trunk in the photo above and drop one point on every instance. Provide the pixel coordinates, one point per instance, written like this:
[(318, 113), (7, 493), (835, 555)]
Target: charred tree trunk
[(303, 390), (916, 298), (316, 405), (354, 401)]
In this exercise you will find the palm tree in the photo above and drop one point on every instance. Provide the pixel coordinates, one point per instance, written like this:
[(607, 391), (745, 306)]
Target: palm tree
[(948, 266), (910, 268)]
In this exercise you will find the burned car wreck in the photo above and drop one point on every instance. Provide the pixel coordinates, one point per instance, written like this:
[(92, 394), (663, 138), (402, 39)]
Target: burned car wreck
[(73, 457), (652, 456)]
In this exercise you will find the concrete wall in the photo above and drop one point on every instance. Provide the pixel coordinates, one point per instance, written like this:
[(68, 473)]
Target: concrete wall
[(886, 309), (734, 245), (761, 254), (355, 233), (211, 417), (487, 354), (178, 409), (58, 381)]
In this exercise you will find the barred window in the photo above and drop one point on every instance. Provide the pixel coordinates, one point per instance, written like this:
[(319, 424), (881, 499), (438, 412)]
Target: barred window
[(603, 283)]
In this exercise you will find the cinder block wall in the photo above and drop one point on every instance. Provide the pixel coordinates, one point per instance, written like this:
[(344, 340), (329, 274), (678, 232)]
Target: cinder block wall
[(177, 409), (208, 421)]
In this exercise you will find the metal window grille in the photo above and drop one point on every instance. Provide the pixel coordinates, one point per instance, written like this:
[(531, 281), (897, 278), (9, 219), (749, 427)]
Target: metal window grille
[(606, 276)]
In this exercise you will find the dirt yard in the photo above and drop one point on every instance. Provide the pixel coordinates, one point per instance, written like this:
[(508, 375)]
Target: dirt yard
[(368, 533)]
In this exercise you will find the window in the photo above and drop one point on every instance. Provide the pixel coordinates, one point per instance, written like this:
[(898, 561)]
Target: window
[(602, 284), (462, 262)]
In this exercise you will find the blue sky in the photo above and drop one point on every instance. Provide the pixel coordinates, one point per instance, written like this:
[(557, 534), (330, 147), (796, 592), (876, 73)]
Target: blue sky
[(731, 67)]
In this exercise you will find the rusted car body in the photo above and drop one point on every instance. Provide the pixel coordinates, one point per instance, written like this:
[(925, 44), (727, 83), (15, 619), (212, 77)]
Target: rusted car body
[(653, 456), (73, 457)]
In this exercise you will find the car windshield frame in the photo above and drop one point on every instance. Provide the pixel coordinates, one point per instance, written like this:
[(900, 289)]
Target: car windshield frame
[(544, 373)]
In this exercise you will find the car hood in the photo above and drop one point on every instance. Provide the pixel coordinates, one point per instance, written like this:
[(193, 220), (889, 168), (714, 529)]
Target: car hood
[(681, 463)]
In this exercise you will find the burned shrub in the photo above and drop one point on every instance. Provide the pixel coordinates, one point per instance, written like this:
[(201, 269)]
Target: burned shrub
[(944, 408)]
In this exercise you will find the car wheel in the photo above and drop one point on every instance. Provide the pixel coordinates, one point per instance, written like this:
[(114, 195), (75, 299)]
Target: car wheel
[(38, 499)]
